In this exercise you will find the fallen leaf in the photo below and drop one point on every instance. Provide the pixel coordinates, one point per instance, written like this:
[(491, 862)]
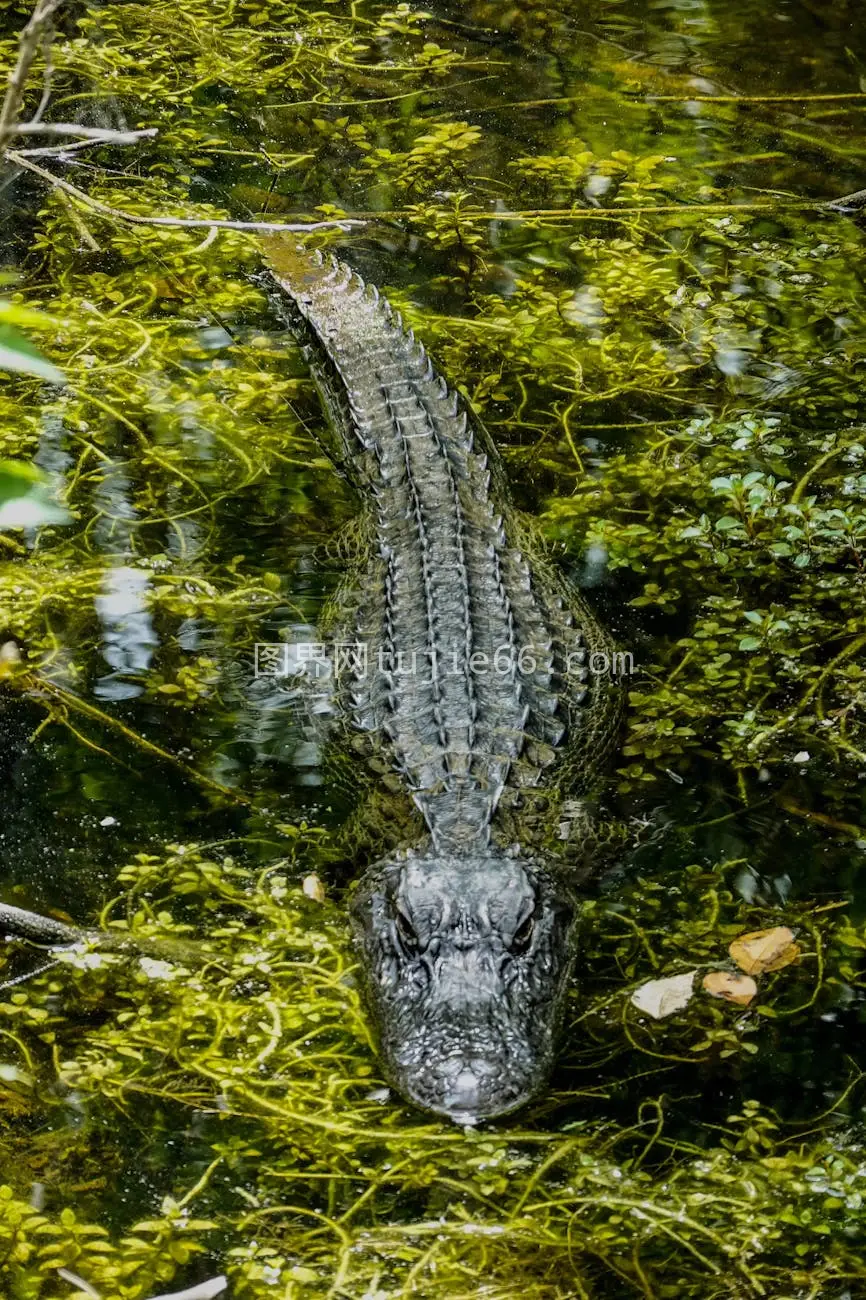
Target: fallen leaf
[(730, 985), (763, 950), (660, 998), (313, 888)]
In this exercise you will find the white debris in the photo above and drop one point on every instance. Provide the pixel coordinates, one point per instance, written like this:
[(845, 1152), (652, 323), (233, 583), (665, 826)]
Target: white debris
[(660, 998), (204, 1291)]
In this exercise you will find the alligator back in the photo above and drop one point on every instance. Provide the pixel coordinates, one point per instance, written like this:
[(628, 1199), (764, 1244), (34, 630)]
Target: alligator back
[(477, 663)]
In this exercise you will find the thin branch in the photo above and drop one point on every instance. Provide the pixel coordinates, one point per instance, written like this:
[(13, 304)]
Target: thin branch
[(634, 97), (28, 47), (756, 99), (62, 152), (47, 78), (101, 135), (43, 689), (180, 223), (93, 137)]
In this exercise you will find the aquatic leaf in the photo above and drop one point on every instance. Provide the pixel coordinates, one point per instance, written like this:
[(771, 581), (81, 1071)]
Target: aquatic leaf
[(10, 659), (660, 998), (14, 1074), (18, 353), (764, 950), (14, 313), (24, 499), (730, 985)]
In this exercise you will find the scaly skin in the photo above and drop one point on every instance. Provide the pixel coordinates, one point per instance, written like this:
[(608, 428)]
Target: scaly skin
[(476, 687)]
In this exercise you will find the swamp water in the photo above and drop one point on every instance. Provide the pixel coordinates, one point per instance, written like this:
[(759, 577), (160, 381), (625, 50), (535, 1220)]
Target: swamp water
[(605, 221)]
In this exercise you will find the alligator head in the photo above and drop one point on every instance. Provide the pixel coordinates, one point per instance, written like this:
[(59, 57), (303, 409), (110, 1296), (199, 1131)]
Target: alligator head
[(465, 960)]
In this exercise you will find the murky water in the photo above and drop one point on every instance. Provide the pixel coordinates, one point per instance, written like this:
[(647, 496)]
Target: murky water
[(605, 220)]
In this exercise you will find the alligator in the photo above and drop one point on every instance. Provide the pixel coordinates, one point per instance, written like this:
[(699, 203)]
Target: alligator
[(477, 691)]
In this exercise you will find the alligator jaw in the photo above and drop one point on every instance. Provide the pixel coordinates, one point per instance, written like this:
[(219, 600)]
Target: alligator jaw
[(466, 958)]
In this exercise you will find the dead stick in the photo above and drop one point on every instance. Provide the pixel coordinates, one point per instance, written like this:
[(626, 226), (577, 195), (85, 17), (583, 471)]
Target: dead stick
[(15, 922), (101, 135), (33, 927), (180, 223), (28, 46)]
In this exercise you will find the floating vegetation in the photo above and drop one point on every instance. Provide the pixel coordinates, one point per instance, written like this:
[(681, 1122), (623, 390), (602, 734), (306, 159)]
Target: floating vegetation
[(627, 268), (299, 1170)]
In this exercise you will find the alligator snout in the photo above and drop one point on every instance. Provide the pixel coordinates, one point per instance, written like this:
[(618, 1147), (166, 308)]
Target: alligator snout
[(468, 1091), (466, 961)]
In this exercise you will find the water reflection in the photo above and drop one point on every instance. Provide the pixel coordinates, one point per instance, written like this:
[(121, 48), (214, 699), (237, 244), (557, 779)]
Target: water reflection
[(128, 636)]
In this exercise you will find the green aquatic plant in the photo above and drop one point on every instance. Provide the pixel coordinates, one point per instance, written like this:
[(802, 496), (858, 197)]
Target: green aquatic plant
[(313, 1181)]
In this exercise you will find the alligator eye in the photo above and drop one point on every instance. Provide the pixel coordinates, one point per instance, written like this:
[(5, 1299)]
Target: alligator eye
[(523, 936), (406, 931)]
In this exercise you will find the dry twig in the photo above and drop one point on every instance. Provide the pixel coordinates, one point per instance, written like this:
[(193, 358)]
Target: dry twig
[(182, 223), (28, 47)]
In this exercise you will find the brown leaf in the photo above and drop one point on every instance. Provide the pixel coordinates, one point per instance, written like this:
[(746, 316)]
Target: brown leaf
[(730, 985), (763, 950)]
